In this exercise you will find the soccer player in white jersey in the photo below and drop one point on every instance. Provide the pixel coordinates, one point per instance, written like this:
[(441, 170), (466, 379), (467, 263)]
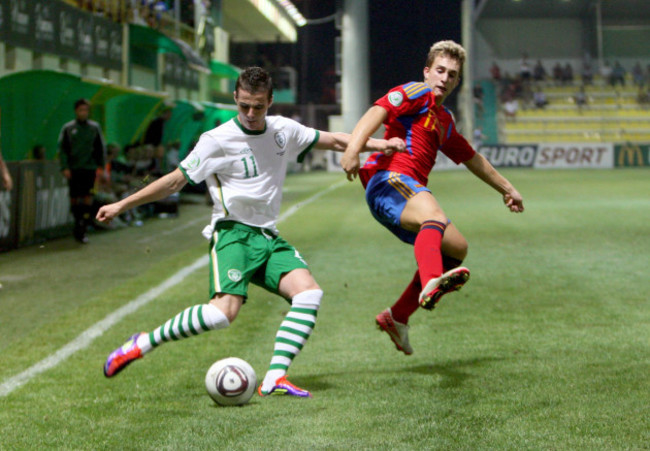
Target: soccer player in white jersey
[(243, 163)]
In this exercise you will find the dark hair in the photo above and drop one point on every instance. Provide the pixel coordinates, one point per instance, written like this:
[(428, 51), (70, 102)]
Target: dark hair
[(80, 102), (255, 79)]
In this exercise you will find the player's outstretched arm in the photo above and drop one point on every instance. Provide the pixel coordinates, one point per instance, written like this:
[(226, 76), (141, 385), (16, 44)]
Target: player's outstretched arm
[(482, 168), (160, 189), (339, 141), (367, 125)]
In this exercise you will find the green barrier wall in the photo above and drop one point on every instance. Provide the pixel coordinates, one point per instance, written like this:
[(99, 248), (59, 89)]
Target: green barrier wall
[(35, 104), (190, 119)]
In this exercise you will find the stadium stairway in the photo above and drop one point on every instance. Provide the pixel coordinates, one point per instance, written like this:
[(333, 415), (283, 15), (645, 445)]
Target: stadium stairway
[(611, 114)]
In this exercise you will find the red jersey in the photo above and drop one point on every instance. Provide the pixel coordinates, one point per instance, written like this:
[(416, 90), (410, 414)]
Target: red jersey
[(425, 127)]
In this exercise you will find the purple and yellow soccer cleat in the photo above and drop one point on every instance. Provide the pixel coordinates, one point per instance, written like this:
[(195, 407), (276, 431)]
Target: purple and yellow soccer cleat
[(122, 356), (284, 387)]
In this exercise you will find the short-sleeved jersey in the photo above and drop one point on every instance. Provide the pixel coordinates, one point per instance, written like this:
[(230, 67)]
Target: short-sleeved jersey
[(244, 170), (425, 127)]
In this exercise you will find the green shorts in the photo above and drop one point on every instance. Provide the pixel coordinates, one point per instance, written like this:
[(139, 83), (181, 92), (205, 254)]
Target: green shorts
[(241, 254)]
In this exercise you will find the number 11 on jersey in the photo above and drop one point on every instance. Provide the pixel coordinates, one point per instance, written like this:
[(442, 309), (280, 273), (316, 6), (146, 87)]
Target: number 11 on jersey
[(253, 164)]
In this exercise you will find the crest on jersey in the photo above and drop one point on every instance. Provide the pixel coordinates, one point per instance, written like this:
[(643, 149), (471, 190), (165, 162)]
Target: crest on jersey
[(234, 275), (280, 139), (395, 98), (246, 151), (193, 161)]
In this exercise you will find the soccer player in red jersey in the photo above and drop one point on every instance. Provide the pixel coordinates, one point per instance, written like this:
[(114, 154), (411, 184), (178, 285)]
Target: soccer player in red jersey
[(396, 190)]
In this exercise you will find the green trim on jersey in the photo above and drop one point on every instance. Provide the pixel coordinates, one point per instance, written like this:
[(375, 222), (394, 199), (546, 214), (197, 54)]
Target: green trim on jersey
[(223, 202), (187, 177), (247, 131), (302, 155)]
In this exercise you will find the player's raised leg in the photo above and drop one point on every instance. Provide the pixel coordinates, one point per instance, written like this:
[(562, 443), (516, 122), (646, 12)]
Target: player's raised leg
[(454, 251), (423, 214), (188, 323)]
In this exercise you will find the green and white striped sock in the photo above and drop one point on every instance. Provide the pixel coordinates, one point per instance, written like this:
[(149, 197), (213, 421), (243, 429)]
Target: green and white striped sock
[(293, 334), (191, 321)]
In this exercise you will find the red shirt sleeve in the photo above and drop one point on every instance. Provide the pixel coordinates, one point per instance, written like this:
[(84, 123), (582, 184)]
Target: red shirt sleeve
[(397, 103), (456, 146)]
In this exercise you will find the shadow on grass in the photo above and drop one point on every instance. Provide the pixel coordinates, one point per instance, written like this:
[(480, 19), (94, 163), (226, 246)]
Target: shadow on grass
[(450, 372)]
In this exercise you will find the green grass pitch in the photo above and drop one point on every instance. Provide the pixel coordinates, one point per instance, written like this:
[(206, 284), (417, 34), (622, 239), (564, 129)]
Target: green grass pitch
[(546, 347)]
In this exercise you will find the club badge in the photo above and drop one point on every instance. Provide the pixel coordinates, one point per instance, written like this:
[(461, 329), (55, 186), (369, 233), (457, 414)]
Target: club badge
[(395, 98), (280, 139), (234, 275)]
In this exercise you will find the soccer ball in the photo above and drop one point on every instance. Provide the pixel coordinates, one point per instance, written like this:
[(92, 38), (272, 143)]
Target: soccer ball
[(231, 381)]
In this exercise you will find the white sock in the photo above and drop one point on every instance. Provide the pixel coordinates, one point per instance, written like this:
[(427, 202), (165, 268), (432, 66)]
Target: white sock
[(292, 335)]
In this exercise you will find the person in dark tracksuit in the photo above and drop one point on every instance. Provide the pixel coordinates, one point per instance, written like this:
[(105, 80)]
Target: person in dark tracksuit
[(81, 153)]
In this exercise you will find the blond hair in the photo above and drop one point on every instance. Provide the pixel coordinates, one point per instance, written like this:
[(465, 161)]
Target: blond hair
[(449, 49)]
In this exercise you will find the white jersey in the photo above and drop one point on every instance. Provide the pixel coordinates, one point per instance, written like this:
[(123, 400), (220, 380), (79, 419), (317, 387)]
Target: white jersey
[(244, 170)]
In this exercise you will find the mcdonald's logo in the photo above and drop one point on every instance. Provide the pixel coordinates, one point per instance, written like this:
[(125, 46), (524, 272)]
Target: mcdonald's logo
[(630, 155)]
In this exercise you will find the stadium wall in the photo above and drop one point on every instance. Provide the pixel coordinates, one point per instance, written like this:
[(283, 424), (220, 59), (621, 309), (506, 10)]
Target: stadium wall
[(544, 156), (38, 207), (559, 156)]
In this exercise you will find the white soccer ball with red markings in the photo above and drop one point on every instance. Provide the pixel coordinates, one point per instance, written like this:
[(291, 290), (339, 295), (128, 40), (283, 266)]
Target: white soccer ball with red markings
[(231, 381)]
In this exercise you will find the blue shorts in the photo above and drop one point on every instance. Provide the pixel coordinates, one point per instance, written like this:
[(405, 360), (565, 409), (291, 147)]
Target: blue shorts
[(386, 194)]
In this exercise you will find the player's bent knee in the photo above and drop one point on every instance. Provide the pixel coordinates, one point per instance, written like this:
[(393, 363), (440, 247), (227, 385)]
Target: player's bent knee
[(228, 304)]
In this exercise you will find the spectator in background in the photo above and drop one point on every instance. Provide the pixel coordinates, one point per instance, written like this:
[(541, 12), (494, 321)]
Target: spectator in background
[(81, 154), (156, 128), (158, 7), (539, 98), (7, 182), (580, 98), (567, 74), (38, 152), (606, 72), (506, 86), (510, 108), (618, 75), (495, 72), (136, 14), (539, 72), (587, 73), (637, 75)]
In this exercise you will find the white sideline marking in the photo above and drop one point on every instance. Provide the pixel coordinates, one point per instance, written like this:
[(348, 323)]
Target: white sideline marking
[(174, 230), (96, 330), (297, 206)]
